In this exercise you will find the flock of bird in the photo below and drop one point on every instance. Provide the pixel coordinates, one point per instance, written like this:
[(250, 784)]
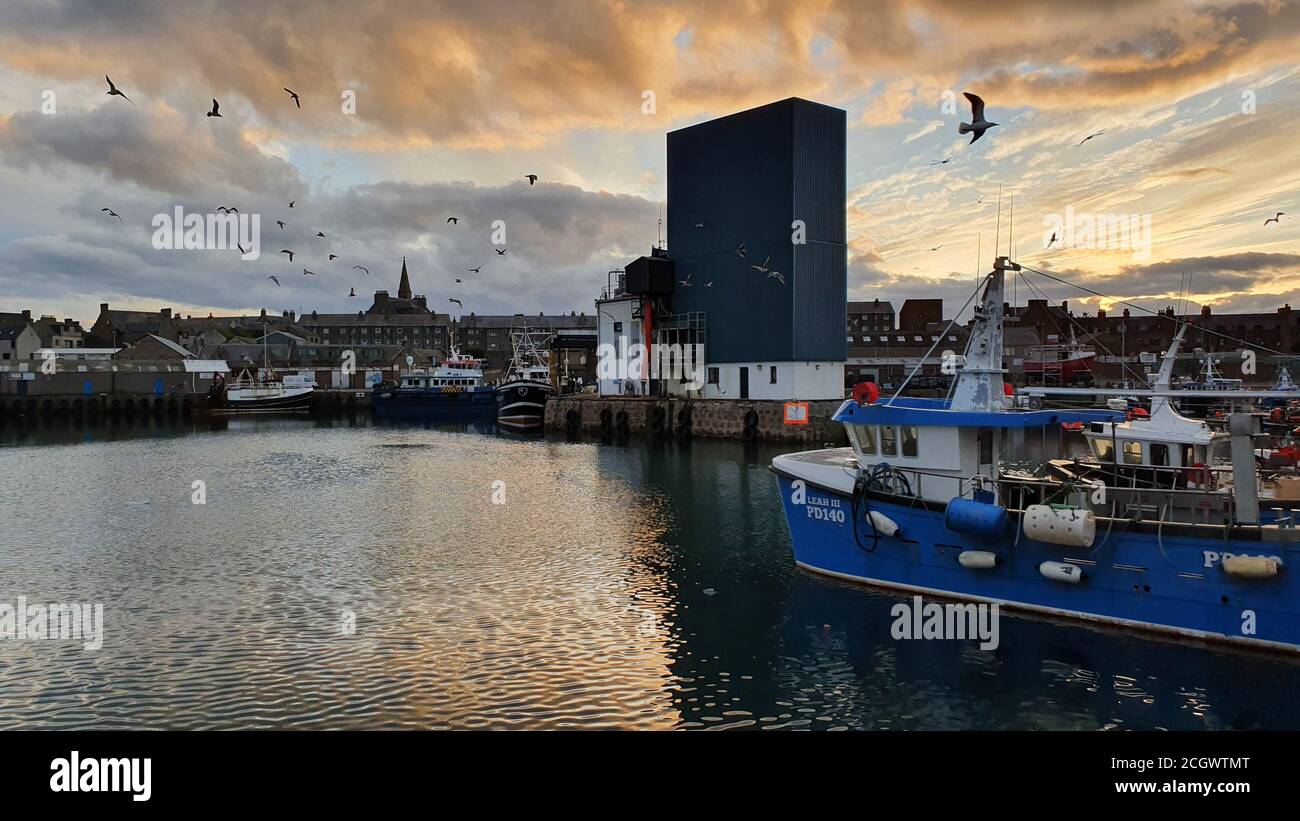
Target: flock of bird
[(114, 91), (977, 127)]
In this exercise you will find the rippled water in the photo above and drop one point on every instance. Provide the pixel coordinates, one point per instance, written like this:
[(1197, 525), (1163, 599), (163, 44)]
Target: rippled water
[(617, 586)]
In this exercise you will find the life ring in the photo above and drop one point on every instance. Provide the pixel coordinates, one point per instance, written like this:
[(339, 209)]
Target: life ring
[(865, 393)]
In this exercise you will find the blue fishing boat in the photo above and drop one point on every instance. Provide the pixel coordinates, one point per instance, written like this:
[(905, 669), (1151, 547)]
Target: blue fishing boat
[(455, 385), (970, 497)]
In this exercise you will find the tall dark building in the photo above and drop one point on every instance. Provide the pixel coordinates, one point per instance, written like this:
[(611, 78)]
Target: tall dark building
[(764, 187)]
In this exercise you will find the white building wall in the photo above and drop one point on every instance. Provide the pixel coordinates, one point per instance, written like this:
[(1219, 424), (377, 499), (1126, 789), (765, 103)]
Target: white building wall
[(803, 381), (608, 314)]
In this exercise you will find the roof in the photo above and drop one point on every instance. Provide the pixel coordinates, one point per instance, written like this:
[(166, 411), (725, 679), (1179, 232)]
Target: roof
[(873, 307), (546, 322), (206, 365), (175, 346), (909, 410), (397, 320)]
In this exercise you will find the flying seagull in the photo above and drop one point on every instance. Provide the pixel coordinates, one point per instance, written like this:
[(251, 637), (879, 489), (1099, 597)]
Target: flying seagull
[(453, 220), (320, 234), (275, 279), (280, 223), (113, 91), (295, 98), (231, 210), (362, 268), (977, 125), (979, 201), (291, 202), (308, 273), (501, 252), (287, 251), (333, 257), (532, 178), (1051, 240), (112, 213), (741, 251), (1090, 136), (242, 252), (685, 283), (777, 275), (476, 270), (764, 268), (698, 225), (1275, 218), (457, 301), (216, 108), (352, 292), (458, 282), (937, 247), (944, 161), (708, 284)]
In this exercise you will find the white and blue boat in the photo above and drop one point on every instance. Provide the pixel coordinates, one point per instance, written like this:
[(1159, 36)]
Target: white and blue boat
[(965, 498), (455, 385)]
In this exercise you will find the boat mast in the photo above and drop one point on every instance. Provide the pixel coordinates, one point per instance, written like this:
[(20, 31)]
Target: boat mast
[(979, 382)]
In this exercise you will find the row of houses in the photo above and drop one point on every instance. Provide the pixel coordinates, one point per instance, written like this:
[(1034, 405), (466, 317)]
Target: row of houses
[(393, 331)]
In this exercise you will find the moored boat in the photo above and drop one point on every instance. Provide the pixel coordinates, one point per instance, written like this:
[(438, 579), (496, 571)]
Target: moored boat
[(454, 385), (960, 497), (292, 394), (521, 398)]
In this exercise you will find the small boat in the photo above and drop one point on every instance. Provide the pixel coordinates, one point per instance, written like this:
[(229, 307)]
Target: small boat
[(521, 398), (1060, 364), (248, 395), (454, 385)]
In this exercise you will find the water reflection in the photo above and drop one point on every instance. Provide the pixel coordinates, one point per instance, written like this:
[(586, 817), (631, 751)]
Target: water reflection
[(629, 584)]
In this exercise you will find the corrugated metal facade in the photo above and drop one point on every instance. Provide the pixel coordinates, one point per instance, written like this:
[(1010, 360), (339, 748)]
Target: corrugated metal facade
[(746, 178)]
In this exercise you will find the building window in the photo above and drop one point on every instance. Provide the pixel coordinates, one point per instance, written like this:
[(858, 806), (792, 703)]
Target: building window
[(713, 376), (618, 327), (771, 378)]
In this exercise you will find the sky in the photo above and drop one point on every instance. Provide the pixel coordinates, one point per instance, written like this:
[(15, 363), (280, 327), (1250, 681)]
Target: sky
[(412, 112)]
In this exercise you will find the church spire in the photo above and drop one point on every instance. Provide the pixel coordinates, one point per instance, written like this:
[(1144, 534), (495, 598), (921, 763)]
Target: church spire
[(404, 287)]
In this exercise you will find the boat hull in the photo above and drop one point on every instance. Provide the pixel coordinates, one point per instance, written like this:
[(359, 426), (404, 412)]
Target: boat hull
[(521, 405), (1167, 582), (410, 401), (297, 402)]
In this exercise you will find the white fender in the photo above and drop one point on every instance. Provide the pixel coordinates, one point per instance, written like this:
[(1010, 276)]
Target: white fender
[(1071, 526), (978, 559), (1251, 567), (1061, 572), (885, 526)]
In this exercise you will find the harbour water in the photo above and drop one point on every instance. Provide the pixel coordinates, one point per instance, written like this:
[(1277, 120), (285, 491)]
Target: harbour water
[(343, 574)]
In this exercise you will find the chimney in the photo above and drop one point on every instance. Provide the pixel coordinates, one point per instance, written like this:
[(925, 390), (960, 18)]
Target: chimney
[(263, 316), (1205, 311), (27, 314), (166, 313), (103, 306)]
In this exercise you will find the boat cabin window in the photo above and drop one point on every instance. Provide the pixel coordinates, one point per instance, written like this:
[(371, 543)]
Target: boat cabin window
[(864, 438), (985, 437), (1159, 454), (1132, 453), (1189, 455), (910, 435), (1105, 452), (888, 440)]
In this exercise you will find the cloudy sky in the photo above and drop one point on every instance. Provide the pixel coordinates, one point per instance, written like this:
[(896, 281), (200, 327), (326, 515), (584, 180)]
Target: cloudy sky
[(455, 102)]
